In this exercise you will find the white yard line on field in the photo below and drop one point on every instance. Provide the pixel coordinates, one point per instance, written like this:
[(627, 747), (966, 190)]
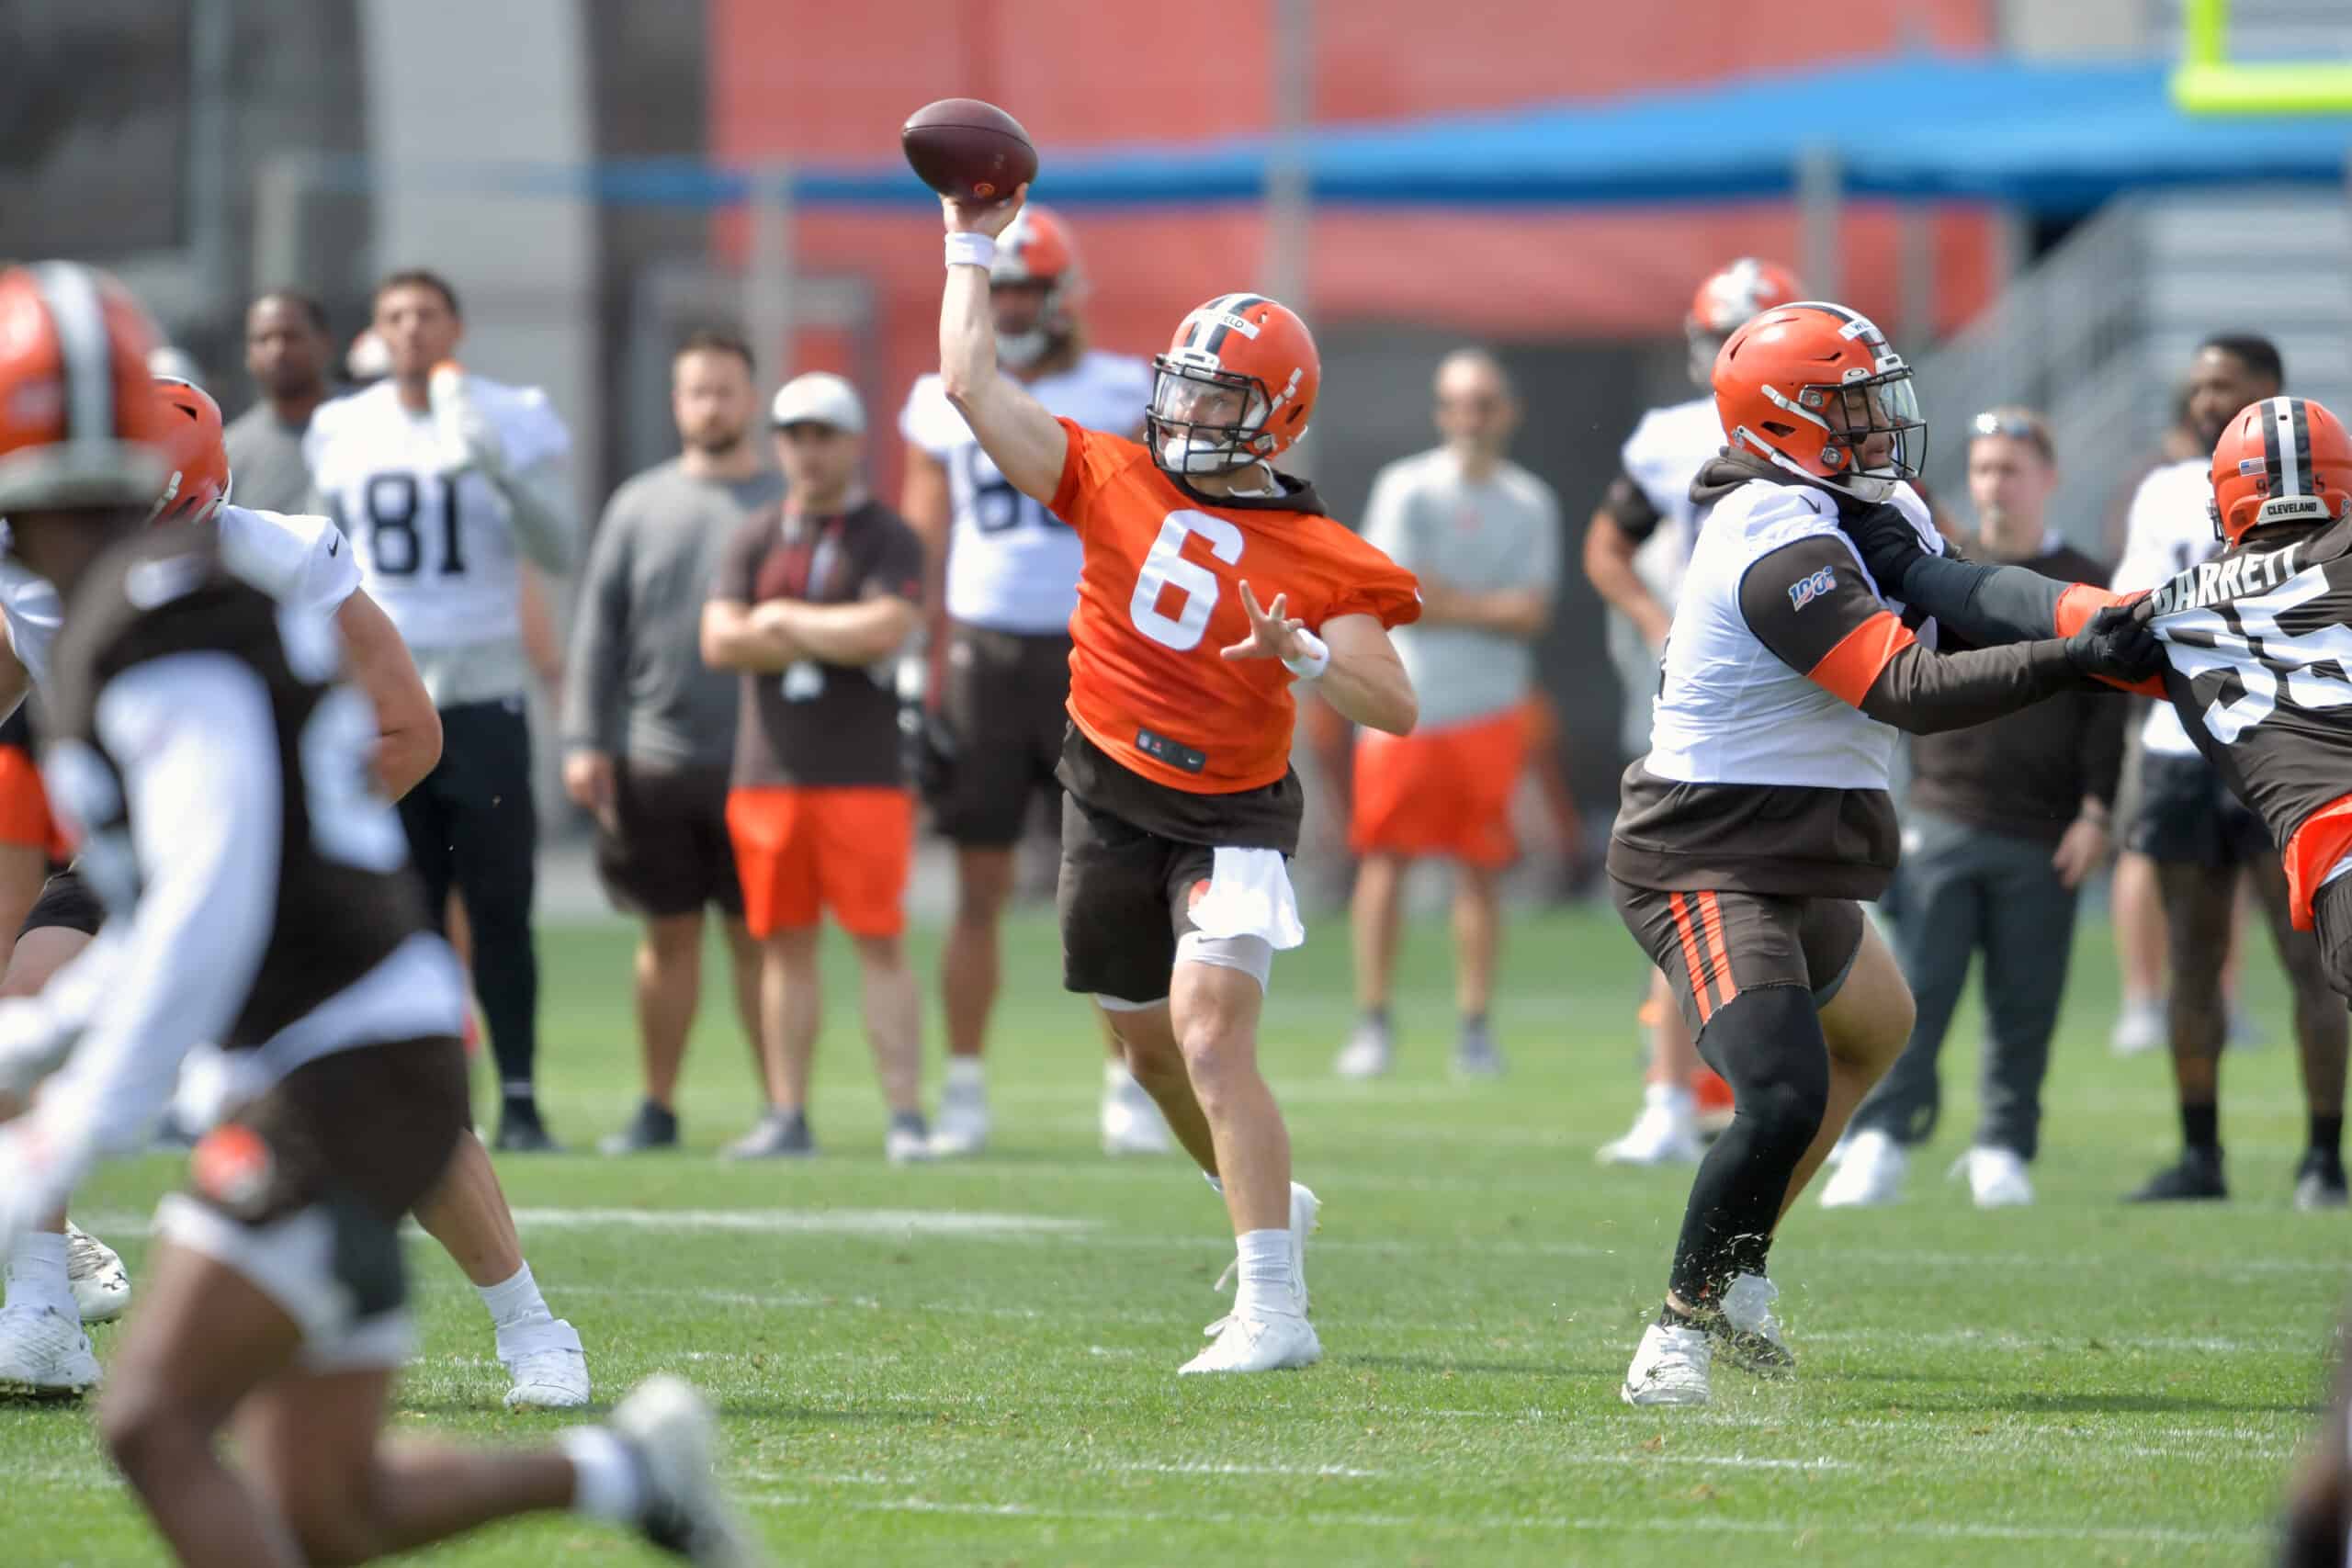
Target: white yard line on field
[(1792, 1530)]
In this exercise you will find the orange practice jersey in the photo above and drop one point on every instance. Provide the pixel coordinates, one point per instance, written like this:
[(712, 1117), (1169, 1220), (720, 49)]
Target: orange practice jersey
[(1160, 598)]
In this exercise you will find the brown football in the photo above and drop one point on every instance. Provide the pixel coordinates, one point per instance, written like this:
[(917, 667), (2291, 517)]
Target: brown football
[(971, 150)]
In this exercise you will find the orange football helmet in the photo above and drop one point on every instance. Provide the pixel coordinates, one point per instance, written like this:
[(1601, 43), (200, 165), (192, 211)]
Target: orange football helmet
[(1237, 385), (2280, 460), (1816, 389), (80, 427), (198, 486), (1727, 299), (1037, 248)]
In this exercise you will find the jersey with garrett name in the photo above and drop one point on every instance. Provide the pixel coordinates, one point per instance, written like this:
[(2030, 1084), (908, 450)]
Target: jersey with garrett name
[(434, 540), (2258, 668), (1012, 565), (2166, 531), (1160, 598), (295, 560)]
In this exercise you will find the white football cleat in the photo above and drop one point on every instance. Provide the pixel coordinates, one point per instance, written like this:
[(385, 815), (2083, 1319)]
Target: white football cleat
[(1131, 1120), (909, 1141), (543, 1360), (1670, 1367), (1749, 1333), (670, 1430), (1870, 1175), (1267, 1343), (1996, 1177), (101, 1284), (44, 1353), (2140, 1027), (962, 1129), (1666, 1133), (1369, 1053)]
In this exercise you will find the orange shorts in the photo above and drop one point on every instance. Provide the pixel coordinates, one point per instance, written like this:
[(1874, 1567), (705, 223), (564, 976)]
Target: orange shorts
[(800, 851), (25, 819), (1440, 792)]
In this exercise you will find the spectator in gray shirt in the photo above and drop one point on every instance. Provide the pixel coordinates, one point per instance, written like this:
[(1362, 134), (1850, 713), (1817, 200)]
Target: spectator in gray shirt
[(649, 729), (286, 352), (1483, 534)]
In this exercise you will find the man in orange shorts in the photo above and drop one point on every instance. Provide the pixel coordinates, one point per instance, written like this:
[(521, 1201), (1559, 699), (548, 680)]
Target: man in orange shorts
[(812, 601), (1483, 534)]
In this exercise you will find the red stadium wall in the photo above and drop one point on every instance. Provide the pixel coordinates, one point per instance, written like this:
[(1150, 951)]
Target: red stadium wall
[(805, 79)]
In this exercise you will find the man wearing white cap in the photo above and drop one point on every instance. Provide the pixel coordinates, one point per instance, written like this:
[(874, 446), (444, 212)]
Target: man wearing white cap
[(813, 599)]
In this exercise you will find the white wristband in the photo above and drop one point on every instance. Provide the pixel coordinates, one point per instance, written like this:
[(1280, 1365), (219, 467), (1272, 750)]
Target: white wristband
[(1311, 664), (969, 249)]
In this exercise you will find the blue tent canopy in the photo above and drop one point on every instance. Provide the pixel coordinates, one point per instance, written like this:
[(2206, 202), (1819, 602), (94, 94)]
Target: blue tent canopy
[(2056, 138)]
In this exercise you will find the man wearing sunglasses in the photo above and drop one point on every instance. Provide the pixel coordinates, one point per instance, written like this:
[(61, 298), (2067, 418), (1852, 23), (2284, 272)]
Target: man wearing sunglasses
[(2006, 821)]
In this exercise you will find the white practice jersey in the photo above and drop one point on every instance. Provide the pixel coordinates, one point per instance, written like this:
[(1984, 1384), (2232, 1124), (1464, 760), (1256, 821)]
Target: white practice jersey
[(1729, 710), (1663, 456), (1011, 565), (436, 547), (2166, 531), (296, 560)]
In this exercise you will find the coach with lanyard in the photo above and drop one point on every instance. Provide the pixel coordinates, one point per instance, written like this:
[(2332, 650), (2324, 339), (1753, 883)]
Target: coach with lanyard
[(443, 481)]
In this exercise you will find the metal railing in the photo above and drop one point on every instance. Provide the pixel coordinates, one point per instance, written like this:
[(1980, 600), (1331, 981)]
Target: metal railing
[(2065, 338)]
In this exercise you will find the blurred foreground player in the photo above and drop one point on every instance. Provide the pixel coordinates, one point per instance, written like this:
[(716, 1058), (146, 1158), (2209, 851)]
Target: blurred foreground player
[(223, 795), (2257, 646), (1636, 549), (1181, 807), (303, 563), (1006, 575), (1761, 815)]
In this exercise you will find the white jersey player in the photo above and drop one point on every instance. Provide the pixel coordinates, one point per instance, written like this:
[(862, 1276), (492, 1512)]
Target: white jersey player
[(1001, 616), (445, 483), (1637, 550), (439, 539)]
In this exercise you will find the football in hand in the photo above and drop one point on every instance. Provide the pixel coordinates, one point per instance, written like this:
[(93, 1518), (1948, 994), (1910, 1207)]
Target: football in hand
[(968, 149)]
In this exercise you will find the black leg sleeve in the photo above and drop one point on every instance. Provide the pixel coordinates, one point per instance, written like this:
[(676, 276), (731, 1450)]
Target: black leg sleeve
[(1767, 1044)]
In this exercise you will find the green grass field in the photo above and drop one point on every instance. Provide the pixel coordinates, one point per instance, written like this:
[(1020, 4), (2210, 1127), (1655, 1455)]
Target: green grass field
[(974, 1364)]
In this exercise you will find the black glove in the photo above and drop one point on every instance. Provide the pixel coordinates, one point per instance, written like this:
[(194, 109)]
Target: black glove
[(2119, 645), (1888, 545)]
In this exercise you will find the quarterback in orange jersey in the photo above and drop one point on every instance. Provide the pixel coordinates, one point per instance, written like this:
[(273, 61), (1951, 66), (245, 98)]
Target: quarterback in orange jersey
[(1211, 584)]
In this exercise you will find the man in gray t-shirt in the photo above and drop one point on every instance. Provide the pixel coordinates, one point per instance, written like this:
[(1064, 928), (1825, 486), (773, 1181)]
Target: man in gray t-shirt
[(286, 352), (1483, 535), (649, 729)]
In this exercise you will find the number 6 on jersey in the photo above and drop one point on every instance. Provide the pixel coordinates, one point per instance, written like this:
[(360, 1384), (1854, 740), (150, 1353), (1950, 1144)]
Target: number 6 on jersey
[(1165, 567)]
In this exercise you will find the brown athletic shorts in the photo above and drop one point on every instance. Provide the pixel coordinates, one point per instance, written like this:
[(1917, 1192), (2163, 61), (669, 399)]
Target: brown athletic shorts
[(1712, 946), (302, 1191), (1000, 700), (672, 854)]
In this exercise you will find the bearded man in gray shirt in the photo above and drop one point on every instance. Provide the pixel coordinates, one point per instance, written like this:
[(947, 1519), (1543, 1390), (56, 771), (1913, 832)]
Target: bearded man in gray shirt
[(649, 729), (1483, 535)]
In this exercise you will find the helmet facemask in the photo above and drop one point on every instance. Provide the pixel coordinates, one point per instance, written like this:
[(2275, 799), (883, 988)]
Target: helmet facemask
[(1854, 414), (1190, 384)]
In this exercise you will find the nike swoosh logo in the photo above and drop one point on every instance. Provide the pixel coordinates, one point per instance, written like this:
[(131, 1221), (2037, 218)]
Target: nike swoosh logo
[(335, 545)]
